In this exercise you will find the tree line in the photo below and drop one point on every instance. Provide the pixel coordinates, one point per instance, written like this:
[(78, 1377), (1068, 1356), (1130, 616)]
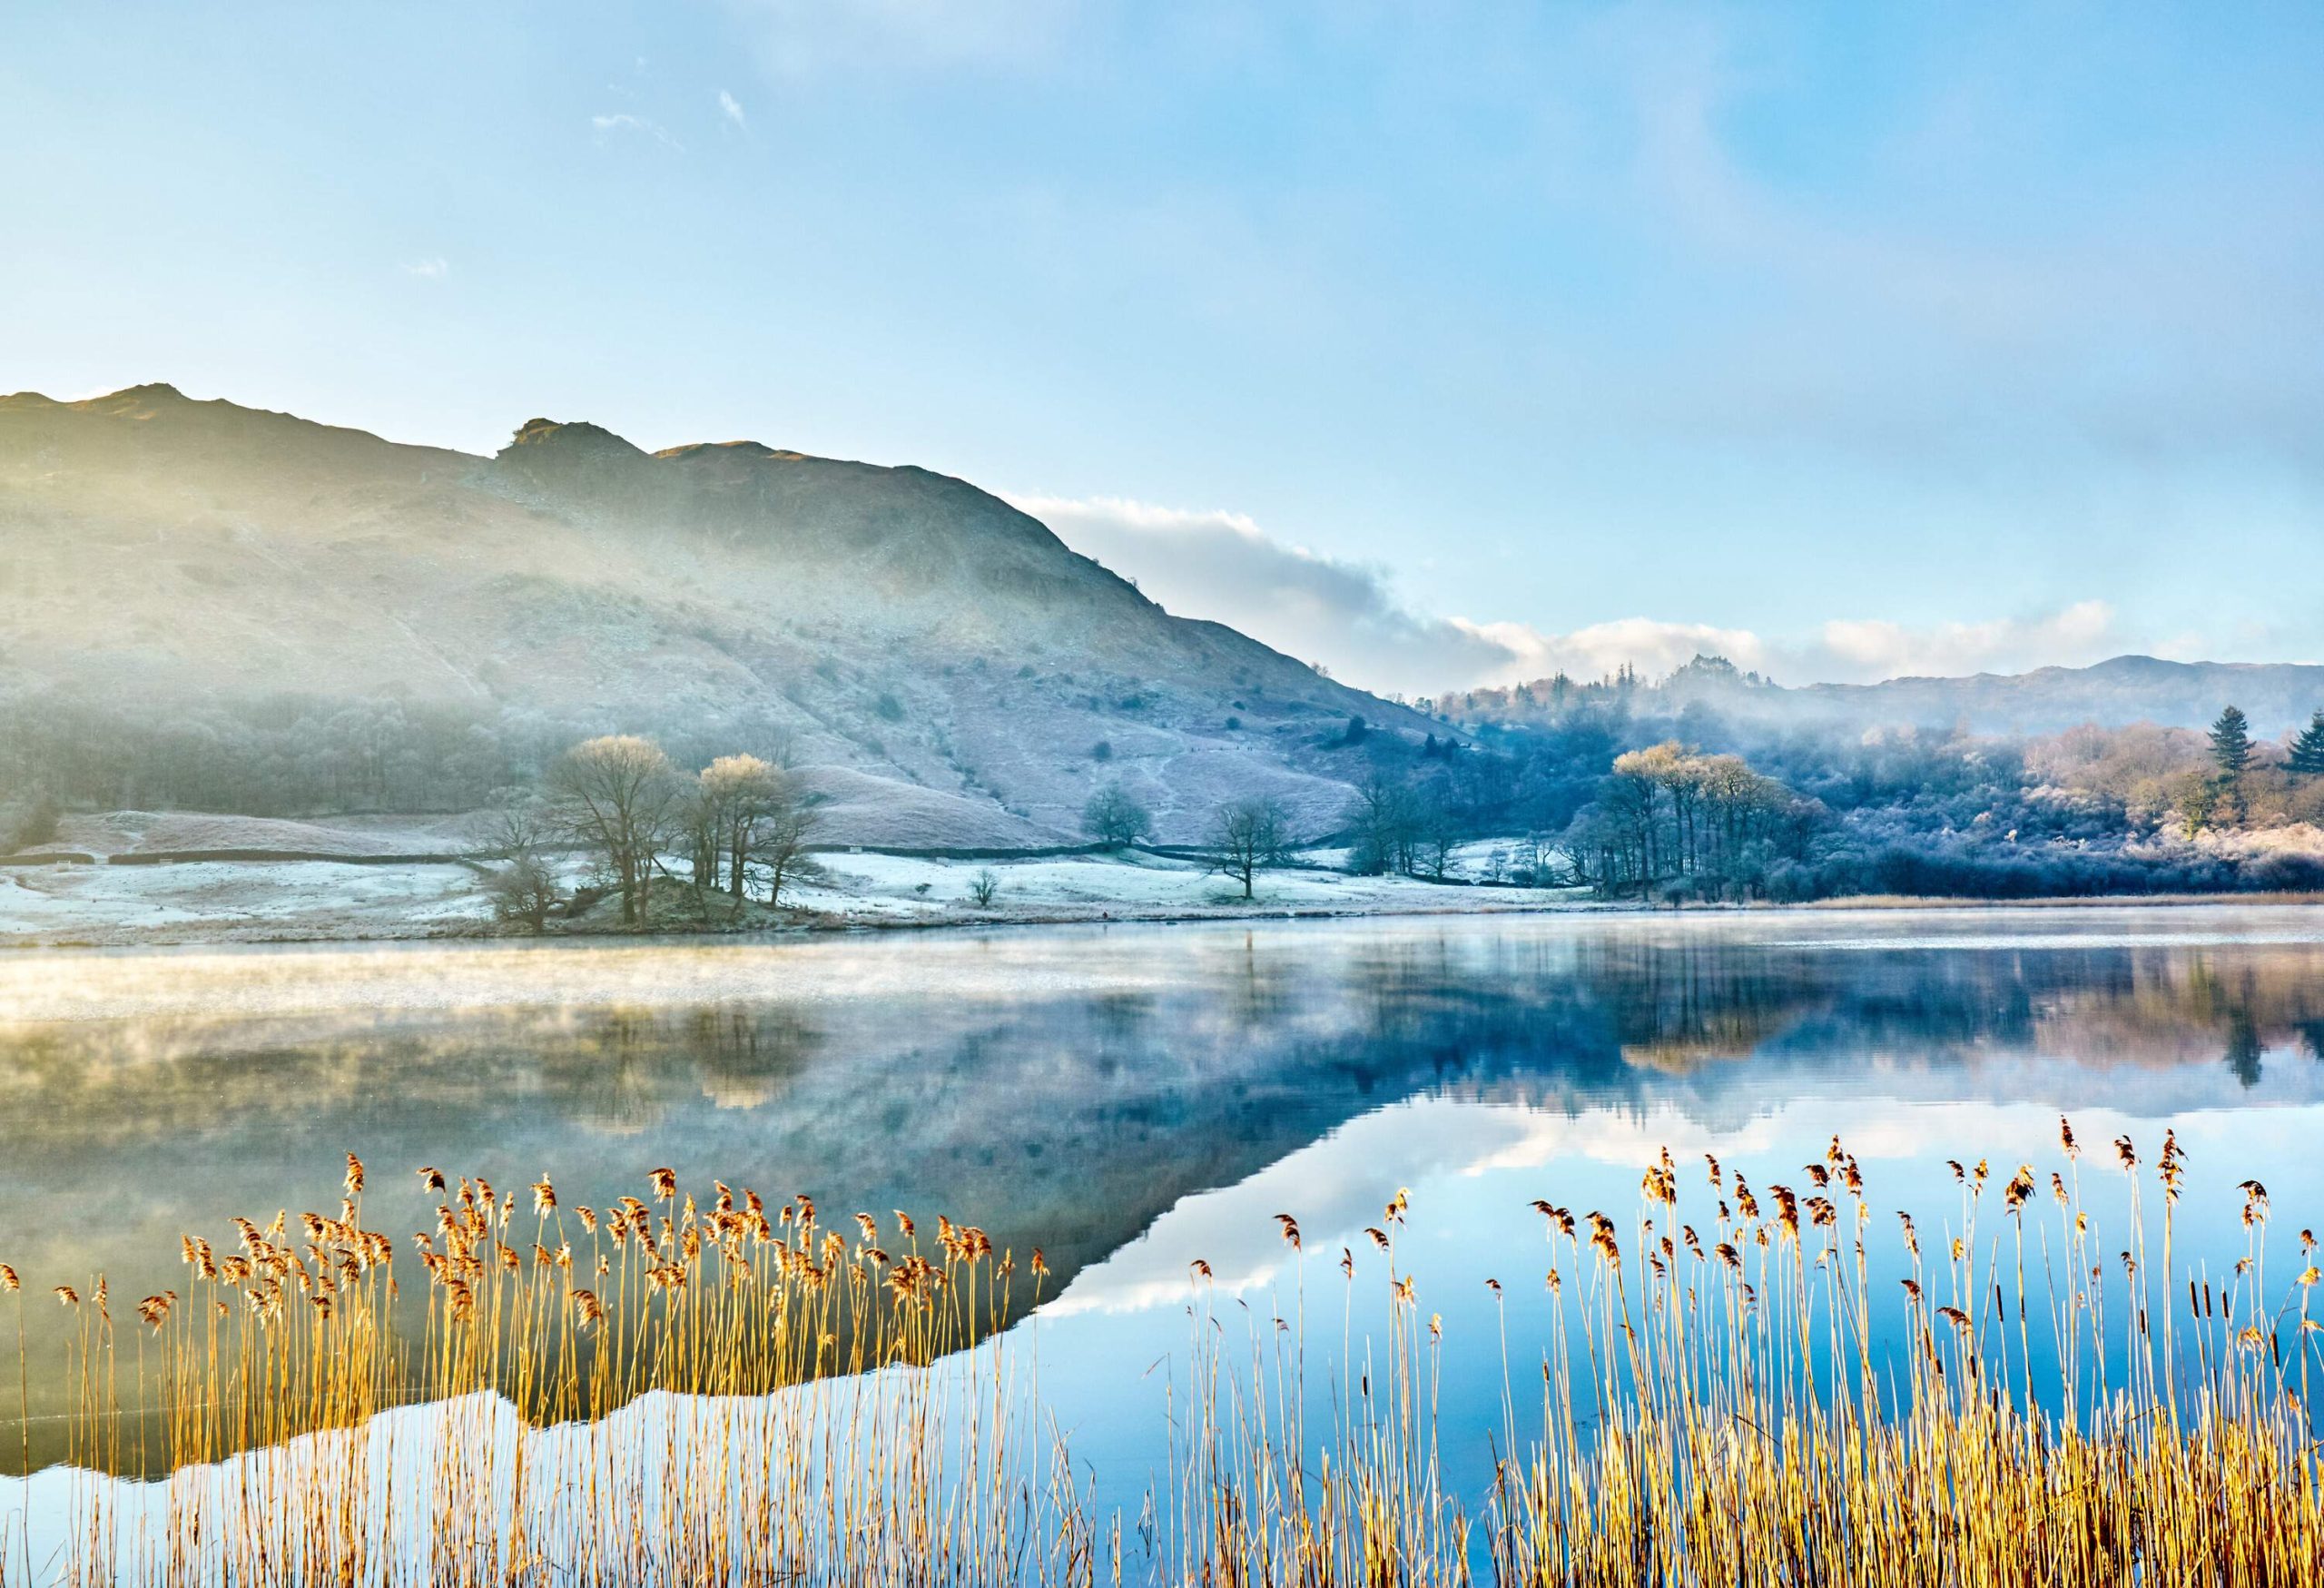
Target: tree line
[(742, 825)]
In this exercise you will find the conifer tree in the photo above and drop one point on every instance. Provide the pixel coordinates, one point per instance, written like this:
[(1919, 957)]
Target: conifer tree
[(2231, 753), (2308, 749), (2232, 746)]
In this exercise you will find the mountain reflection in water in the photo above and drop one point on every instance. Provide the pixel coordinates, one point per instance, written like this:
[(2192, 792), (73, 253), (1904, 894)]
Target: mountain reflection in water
[(1068, 1088)]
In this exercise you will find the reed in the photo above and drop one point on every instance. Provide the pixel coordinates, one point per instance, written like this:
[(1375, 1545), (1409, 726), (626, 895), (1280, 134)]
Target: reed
[(1718, 1403), (653, 1391), (1716, 1389)]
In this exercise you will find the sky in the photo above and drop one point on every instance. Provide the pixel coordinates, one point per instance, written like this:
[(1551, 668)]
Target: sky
[(1443, 344)]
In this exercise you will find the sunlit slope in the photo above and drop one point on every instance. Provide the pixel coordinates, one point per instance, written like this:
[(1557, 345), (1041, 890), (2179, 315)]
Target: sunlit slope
[(895, 622)]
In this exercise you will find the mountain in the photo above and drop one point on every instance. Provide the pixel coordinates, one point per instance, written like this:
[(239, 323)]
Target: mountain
[(2278, 696), (941, 663)]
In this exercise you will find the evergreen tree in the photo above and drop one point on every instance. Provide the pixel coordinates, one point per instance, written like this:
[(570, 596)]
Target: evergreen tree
[(2308, 749), (2231, 753), (2232, 746)]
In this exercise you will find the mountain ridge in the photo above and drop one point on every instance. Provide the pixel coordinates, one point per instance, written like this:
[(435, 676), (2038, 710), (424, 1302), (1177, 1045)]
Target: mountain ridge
[(868, 620)]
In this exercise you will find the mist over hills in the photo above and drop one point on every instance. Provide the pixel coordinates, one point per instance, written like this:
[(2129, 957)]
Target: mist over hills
[(2278, 696), (945, 667), (211, 606)]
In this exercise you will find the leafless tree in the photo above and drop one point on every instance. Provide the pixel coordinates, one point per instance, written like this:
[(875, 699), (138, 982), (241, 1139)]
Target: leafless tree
[(982, 887), (1116, 818), (516, 823), (1383, 824), (619, 796), (524, 891), (1250, 834), (783, 827), (733, 798)]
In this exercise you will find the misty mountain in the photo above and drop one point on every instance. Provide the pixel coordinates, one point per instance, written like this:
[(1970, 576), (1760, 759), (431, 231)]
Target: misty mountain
[(945, 667), (2278, 697)]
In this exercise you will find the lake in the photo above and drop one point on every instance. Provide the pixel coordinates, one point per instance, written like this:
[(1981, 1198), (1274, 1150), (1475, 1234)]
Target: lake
[(1133, 1099)]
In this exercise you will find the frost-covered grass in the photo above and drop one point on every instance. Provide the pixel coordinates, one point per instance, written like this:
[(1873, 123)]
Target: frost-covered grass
[(902, 887), (218, 901), (221, 901)]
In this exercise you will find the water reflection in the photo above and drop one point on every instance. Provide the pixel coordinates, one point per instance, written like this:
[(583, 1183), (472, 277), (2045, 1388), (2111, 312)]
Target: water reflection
[(1074, 1087)]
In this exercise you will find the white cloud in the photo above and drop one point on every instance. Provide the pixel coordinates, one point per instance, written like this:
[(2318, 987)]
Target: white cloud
[(1221, 566), (732, 109), (1648, 645), (435, 268), (623, 122), (1841, 651), (2077, 634)]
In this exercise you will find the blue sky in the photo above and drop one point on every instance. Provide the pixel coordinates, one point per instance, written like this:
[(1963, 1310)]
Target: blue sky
[(1440, 343)]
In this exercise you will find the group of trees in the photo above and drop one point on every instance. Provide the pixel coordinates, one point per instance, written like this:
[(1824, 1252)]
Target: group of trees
[(1673, 820), (740, 824), (1246, 835), (1400, 823)]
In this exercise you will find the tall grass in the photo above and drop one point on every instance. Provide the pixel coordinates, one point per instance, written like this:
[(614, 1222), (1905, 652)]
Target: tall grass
[(653, 1391), (1719, 1391)]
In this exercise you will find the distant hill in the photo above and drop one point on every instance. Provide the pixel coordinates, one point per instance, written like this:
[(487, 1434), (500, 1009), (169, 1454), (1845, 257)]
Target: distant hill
[(2277, 697), (897, 629)]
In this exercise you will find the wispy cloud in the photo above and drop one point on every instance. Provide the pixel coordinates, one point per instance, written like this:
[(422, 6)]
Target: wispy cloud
[(434, 268), (1222, 567), (622, 122), (732, 109), (1840, 651)]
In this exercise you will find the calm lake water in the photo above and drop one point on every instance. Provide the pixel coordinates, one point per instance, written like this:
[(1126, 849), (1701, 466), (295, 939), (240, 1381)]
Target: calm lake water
[(1134, 1098)]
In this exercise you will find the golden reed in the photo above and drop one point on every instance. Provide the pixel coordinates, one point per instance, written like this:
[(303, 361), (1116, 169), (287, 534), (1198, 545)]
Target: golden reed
[(657, 1391)]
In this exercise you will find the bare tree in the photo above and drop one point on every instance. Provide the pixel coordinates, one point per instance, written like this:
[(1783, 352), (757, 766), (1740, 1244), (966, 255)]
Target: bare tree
[(1383, 824), (1436, 833), (618, 796), (734, 799), (779, 836), (518, 822), (524, 891), (1116, 818), (982, 887), (1250, 834)]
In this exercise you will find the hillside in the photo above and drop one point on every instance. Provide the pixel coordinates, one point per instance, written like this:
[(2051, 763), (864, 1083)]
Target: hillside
[(242, 587)]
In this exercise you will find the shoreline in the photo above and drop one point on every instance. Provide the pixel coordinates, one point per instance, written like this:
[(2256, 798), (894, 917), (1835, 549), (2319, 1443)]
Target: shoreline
[(812, 925)]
